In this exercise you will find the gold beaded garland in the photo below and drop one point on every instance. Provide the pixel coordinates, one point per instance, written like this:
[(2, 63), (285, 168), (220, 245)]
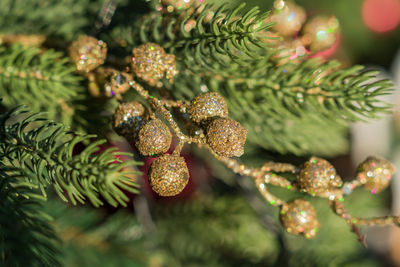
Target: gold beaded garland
[(288, 17), (168, 175), (151, 63), (128, 117), (87, 53), (320, 33), (298, 217), (318, 177), (375, 173), (154, 138), (208, 105), (226, 137)]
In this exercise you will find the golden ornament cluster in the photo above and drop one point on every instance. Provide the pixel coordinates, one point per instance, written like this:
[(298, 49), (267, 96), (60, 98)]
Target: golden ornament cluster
[(222, 136)]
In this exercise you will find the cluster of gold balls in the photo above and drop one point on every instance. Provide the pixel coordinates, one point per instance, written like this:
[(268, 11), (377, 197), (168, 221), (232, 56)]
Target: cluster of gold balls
[(300, 36), (226, 137), (153, 138), (168, 174), (318, 177)]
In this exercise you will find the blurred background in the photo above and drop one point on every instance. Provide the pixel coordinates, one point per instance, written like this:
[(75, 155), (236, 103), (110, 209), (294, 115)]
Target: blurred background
[(219, 219)]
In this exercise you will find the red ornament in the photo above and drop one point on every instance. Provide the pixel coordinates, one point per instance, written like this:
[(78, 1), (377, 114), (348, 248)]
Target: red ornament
[(381, 15)]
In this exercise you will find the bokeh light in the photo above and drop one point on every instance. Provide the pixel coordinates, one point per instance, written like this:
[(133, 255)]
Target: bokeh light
[(381, 15)]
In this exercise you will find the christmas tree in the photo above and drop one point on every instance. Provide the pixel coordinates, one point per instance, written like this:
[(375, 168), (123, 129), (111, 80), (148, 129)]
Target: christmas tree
[(182, 133)]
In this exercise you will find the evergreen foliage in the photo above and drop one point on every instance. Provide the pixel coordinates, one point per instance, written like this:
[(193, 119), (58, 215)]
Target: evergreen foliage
[(52, 18), (45, 81), (275, 101), (44, 154), (287, 108), (26, 236)]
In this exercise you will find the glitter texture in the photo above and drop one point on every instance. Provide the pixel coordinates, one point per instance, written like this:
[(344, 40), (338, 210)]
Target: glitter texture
[(298, 217), (375, 174), (288, 18), (128, 117), (87, 53), (117, 84), (168, 175), (207, 106), (320, 33), (226, 137), (150, 63), (318, 177), (154, 138)]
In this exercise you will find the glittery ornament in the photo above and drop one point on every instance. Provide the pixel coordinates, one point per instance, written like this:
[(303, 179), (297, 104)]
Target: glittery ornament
[(320, 33), (208, 105), (168, 175), (150, 63), (117, 84), (318, 177), (87, 53), (128, 117), (226, 137), (298, 217), (293, 51), (375, 173), (154, 138), (288, 18)]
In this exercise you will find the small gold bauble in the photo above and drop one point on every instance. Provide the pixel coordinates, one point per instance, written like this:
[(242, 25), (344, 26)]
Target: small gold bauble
[(320, 33), (298, 217), (288, 18), (87, 53), (168, 175), (151, 63), (375, 173), (226, 137), (207, 106), (318, 177), (154, 138), (128, 117)]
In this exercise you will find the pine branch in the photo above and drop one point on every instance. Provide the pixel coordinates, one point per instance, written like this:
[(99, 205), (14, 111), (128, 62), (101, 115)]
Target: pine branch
[(228, 36), (26, 237), (43, 151), (288, 108), (90, 239), (42, 80), (63, 18)]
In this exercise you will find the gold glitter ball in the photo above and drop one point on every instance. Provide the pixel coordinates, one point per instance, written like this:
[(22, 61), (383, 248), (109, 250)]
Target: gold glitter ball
[(154, 138), (288, 18), (87, 53), (318, 177), (298, 217), (207, 106), (151, 63), (320, 33), (128, 117), (375, 173), (168, 175), (226, 137)]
